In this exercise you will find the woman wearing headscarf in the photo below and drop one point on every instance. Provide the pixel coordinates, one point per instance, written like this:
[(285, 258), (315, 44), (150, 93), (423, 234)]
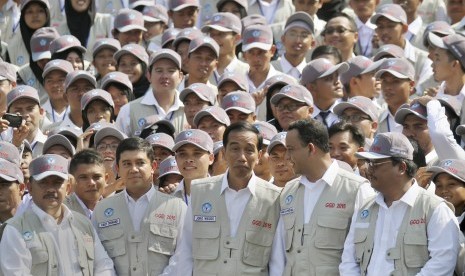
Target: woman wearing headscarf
[(35, 14), (83, 22)]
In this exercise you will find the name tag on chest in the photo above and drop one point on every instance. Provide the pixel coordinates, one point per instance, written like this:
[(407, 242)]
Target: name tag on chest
[(205, 218)]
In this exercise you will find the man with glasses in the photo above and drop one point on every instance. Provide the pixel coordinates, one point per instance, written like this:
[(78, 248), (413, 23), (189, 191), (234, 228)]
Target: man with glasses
[(297, 40), (316, 208), (362, 113), (321, 78), (341, 32), (293, 103), (404, 230)]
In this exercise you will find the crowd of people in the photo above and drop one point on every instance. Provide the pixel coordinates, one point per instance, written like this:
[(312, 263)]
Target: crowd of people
[(232, 137)]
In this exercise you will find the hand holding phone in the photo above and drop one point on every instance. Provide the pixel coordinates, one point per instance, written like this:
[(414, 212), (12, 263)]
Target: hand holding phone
[(13, 119)]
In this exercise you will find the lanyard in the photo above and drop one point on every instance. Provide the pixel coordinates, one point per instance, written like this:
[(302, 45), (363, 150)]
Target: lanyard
[(217, 77), (274, 12), (388, 126), (158, 113), (185, 198), (53, 115)]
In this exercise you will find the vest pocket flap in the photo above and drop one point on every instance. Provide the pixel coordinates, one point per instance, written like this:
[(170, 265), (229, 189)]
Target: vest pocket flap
[(206, 233), (333, 222), (415, 239), (39, 256), (360, 236), (260, 238), (111, 235), (163, 230)]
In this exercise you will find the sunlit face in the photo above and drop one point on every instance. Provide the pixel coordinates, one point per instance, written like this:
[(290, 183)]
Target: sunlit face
[(35, 15), (258, 59), (118, 96), (201, 64), (390, 32), (327, 89), (107, 148), (297, 41), (31, 112), (285, 116), (452, 190), (442, 65), (136, 170), (193, 162), (5, 87), (54, 84), (161, 153), (48, 194), (416, 128), (104, 62), (80, 5), (75, 92), (345, 40), (75, 60), (297, 152), (153, 29), (192, 105), (165, 76), (343, 147), (98, 111), (225, 88), (184, 18), (395, 91), (238, 116), (280, 166), (26, 159), (455, 10), (364, 9), (10, 195), (90, 182), (183, 50), (131, 66), (211, 126), (367, 126), (308, 6), (226, 40), (131, 36), (241, 153), (231, 7)]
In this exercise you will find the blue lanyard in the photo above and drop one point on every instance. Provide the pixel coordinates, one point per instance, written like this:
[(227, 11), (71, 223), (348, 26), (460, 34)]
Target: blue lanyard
[(158, 113), (388, 126), (53, 114), (274, 12)]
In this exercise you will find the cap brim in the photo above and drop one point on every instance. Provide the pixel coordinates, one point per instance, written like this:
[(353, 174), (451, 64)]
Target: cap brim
[(392, 72), (279, 96), (373, 67), (403, 112), (180, 7), (437, 170), (151, 19), (41, 55), (43, 175), (240, 109), (340, 68), (370, 155), (340, 107), (50, 69), (182, 143), (203, 113), (85, 77), (7, 177), (166, 56), (80, 48), (169, 172), (274, 144), (206, 28), (436, 41), (127, 28), (259, 45), (375, 17), (107, 133)]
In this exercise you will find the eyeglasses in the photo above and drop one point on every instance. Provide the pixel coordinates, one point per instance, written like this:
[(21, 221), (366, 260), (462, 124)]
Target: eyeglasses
[(339, 30), (102, 147), (354, 118), (373, 164), (289, 107)]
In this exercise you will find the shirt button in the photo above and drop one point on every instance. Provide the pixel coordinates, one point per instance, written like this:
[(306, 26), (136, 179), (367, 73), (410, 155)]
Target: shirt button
[(134, 269), (299, 230), (225, 261), (389, 254), (298, 251), (132, 237), (369, 250), (227, 242), (54, 266)]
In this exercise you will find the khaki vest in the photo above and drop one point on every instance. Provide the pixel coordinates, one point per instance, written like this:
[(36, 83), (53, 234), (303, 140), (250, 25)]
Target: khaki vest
[(100, 29), (315, 248), (139, 111), (213, 249), (30, 79), (73, 204), (44, 256), (411, 251), (17, 51), (139, 253)]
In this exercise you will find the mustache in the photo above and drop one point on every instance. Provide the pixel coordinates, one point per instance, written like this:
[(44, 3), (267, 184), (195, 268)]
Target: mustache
[(50, 196)]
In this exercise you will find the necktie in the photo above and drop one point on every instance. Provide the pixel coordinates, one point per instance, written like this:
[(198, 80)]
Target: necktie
[(323, 115)]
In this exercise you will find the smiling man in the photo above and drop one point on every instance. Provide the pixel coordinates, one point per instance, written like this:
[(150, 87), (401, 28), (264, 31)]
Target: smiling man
[(49, 228), (11, 188)]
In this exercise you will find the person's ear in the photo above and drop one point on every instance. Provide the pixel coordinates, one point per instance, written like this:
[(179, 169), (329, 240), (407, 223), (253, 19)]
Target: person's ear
[(211, 158)]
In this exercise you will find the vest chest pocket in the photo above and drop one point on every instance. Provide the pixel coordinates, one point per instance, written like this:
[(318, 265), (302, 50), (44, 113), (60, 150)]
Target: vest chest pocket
[(113, 242), (360, 237), (415, 249), (39, 256), (331, 232), (257, 247), (162, 239), (205, 242), (289, 225)]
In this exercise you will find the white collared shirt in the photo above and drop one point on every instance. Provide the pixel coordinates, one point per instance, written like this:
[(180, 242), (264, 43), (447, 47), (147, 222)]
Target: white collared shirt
[(232, 66), (365, 34), (442, 232), (392, 125), (181, 263), (123, 121), (268, 9), (68, 123), (137, 208), (181, 193), (330, 119), (16, 257), (414, 29), (84, 207), (289, 69), (261, 109), (52, 114), (459, 97)]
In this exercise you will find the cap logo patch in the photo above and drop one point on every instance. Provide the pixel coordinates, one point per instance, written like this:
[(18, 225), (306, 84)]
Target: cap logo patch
[(21, 89), (43, 42), (188, 133), (56, 63), (391, 62), (70, 39), (234, 98), (287, 89), (256, 33), (447, 163), (217, 18), (94, 93), (173, 162), (50, 160), (97, 126), (132, 16)]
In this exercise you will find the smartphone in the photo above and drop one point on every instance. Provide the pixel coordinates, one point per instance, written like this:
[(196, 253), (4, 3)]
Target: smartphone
[(13, 119)]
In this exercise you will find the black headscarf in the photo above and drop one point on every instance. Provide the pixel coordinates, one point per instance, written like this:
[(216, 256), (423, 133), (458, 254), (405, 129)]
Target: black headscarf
[(79, 23), (27, 32)]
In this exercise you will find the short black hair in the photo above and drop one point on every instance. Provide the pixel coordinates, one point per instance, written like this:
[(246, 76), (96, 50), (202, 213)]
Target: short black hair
[(134, 143), (411, 167), (242, 10), (87, 157), (63, 55), (242, 127), (312, 131), (343, 126), (353, 25), (327, 50)]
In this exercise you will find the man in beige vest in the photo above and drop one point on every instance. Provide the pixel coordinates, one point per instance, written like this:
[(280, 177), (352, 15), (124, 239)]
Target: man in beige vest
[(48, 238), (317, 207), (140, 226), (164, 73), (88, 170), (404, 230), (231, 221)]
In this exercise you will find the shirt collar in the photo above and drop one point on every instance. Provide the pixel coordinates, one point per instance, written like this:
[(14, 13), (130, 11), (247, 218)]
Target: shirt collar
[(147, 196), (408, 198), (415, 26), (328, 177), (40, 137), (251, 185), (409, 51), (367, 24), (287, 66), (431, 156), (149, 99), (83, 206), (46, 217), (317, 111)]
